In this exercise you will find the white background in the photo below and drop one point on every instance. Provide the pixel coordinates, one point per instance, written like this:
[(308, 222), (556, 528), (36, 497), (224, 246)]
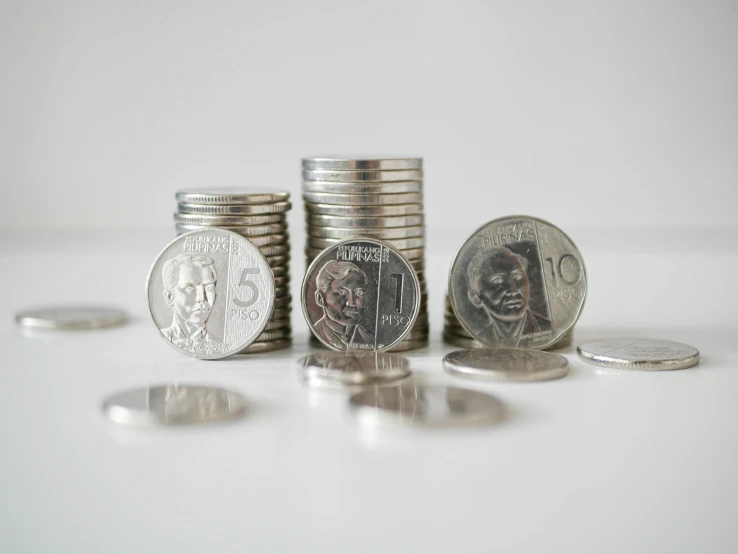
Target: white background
[(586, 113)]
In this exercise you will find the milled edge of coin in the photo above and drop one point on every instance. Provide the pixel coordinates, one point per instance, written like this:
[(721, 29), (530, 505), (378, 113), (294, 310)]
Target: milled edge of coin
[(453, 364), (30, 319), (237, 196), (151, 314), (316, 261), (608, 362), (363, 162), (450, 294), (361, 175), (366, 187)]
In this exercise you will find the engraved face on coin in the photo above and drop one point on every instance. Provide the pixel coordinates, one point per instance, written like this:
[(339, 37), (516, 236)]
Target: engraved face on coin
[(360, 294), (506, 364), (71, 317), (631, 353), (174, 405), (342, 369), (210, 293), (518, 282)]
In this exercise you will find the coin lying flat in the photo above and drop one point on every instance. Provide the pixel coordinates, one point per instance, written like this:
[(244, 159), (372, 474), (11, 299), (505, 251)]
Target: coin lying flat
[(349, 369), (362, 199), (344, 210), (343, 233), (506, 364), (393, 187), (517, 282), (631, 353), (434, 406), (329, 161), (231, 195), (318, 220), (210, 293), (229, 220), (344, 176), (231, 209), (174, 405), (71, 317), (360, 294)]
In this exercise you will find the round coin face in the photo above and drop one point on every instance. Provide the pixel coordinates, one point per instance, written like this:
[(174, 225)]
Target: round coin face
[(231, 195), (372, 162), (174, 405), (360, 294), (506, 364), (631, 353), (210, 293), (518, 282), (71, 317), (434, 406), (337, 369)]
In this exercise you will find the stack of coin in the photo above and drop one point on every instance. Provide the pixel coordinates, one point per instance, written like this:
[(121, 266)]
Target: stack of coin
[(378, 197), (261, 217)]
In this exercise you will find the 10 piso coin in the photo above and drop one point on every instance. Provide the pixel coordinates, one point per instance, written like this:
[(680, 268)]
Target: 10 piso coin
[(210, 293), (360, 294), (518, 282)]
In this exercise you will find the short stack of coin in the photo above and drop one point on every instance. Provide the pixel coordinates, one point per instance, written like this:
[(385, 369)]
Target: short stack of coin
[(261, 217), (377, 197)]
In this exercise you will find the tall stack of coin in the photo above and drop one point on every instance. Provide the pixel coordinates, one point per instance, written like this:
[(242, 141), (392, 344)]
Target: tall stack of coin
[(365, 196), (261, 217)]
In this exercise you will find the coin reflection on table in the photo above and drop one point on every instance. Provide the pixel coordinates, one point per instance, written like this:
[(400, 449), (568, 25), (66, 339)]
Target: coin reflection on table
[(174, 405), (427, 406), (347, 370)]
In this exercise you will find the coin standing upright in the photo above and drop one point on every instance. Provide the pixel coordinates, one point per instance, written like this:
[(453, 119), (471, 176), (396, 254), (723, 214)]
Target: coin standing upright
[(379, 197)]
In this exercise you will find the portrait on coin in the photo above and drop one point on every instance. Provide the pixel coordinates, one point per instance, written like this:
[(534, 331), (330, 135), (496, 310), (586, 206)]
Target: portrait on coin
[(190, 290), (341, 292), (499, 284)]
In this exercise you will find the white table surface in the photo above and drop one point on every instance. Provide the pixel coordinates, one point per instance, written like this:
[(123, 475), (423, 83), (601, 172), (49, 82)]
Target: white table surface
[(602, 461)]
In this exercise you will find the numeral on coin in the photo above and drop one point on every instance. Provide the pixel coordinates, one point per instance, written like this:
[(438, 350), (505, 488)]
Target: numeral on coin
[(398, 277), (245, 282), (567, 269)]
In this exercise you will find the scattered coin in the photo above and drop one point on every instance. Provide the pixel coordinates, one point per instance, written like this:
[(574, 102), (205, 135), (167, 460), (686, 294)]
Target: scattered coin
[(71, 317), (518, 282), (431, 406), (231, 195), (330, 161), (632, 353), (210, 293), (174, 405), (506, 364)]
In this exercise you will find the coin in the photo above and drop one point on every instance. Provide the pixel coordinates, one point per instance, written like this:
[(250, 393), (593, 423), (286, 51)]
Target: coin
[(506, 364), (344, 176), (225, 209), (176, 404), (229, 220), (360, 294), (318, 220), (363, 211), (399, 244), (362, 199), (277, 323), (405, 345), (389, 233), (279, 271), (275, 334), (414, 255), (256, 240), (432, 406), (517, 282), (210, 293), (362, 162), (276, 250), (363, 188), (260, 347), (71, 317), (246, 231), (231, 195), (632, 353), (338, 369)]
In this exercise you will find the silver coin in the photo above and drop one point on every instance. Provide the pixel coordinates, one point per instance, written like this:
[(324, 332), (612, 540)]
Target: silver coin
[(71, 317), (317, 220), (283, 302), (362, 199), (506, 364), (434, 406), (348, 176), (278, 260), (231, 195), (407, 345), (278, 323), (313, 208), (461, 342), (389, 233), (632, 353), (280, 271), (241, 209), (414, 256), (261, 347), (256, 240), (395, 187), (229, 220), (275, 250), (399, 244), (276, 334), (331, 161), (174, 405), (360, 294), (337, 369), (246, 231), (210, 293), (518, 282)]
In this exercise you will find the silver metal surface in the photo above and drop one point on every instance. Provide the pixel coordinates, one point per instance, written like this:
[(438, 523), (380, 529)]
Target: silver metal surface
[(210, 293), (229, 220), (246, 231), (388, 233), (260, 347), (343, 210), (177, 404), (344, 176), (361, 162), (506, 364), (342, 369), (71, 317), (360, 294), (427, 406), (399, 244), (395, 187), (518, 282), (634, 353), (228, 209), (231, 195), (362, 199), (318, 220)]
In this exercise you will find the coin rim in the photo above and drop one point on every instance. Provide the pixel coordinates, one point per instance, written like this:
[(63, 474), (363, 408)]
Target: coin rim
[(457, 369), (25, 319), (651, 365)]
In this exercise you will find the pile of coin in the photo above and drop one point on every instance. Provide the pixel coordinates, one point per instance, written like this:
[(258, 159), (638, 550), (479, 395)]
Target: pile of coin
[(364, 196), (261, 217)]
